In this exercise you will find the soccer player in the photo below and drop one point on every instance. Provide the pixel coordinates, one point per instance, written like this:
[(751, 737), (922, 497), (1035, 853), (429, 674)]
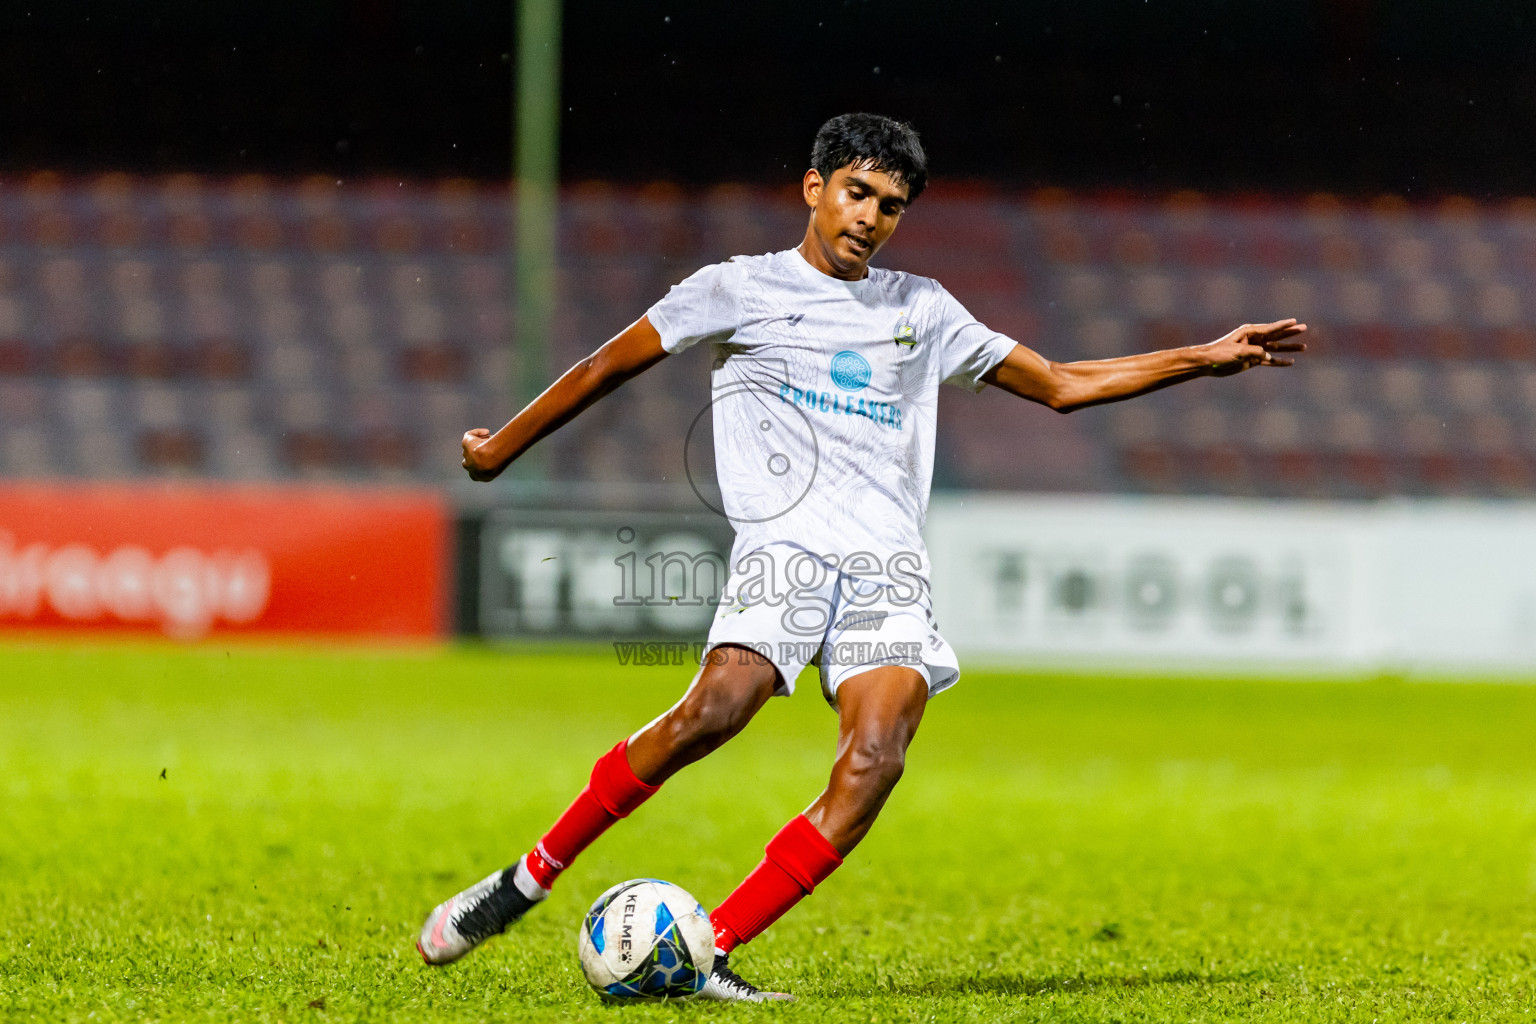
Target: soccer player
[(825, 380)]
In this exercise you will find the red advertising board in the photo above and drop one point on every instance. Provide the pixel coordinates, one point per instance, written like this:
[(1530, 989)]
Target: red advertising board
[(194, 561)]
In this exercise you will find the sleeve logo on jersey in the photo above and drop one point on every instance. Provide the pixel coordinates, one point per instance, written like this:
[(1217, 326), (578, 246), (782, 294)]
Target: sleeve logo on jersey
[(850, 371), (905, 333)]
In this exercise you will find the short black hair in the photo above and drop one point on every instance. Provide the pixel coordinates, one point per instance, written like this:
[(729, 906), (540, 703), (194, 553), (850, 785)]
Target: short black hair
[(872, 142)]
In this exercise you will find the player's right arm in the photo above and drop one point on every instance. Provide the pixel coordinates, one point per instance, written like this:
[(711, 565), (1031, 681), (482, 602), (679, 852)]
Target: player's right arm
[(633, 351)]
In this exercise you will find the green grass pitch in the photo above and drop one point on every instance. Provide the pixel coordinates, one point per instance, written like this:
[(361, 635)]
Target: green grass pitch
[(1060, 849)]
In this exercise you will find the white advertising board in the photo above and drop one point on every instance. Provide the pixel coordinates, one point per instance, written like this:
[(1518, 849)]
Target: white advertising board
[(1177, 583)]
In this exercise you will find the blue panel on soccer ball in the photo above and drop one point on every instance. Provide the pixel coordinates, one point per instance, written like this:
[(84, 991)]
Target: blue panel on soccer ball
[(644, 976), (595, 915), (597, 935), (663, 918)]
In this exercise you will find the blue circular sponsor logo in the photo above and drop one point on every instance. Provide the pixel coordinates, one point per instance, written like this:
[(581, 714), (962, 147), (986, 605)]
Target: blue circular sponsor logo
[(850, 371)]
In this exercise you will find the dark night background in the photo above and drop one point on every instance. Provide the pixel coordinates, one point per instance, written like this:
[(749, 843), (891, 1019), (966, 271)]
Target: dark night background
[(1357, 96)]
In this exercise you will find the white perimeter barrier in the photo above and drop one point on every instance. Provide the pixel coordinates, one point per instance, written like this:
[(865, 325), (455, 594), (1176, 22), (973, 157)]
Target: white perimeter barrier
[(1175, 584)]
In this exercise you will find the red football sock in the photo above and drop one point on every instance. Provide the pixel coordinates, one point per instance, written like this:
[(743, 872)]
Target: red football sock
[(613, 792), (799, 859)]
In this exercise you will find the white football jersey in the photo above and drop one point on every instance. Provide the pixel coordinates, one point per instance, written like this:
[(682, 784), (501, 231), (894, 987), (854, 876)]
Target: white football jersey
[(825, 400)]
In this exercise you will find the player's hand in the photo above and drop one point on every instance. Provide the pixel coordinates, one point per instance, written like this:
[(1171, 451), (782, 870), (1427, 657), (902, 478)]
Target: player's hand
[(478, 462), (1254, 345)]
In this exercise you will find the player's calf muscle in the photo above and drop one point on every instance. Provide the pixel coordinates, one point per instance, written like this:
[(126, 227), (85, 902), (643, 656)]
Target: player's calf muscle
[(874, 766), (880, 714), (863, 777), (866, 771), (719, 704), (846, 812), (694, 728)]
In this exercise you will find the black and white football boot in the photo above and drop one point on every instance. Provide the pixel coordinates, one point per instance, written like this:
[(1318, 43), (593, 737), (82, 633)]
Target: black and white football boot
[(726, 985), (484, 909)]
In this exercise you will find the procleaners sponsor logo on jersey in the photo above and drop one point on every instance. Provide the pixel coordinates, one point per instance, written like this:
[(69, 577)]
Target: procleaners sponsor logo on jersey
[(886, 414), (849, 372)]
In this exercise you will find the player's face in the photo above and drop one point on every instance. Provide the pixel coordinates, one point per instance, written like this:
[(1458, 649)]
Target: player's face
[(852, 214)]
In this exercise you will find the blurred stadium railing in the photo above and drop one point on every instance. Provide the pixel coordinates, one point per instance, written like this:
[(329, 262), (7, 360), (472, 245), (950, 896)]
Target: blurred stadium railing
[(264, 329)]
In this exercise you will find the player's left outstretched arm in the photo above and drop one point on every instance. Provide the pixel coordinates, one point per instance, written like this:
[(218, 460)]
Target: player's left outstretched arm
[(1068, 386)]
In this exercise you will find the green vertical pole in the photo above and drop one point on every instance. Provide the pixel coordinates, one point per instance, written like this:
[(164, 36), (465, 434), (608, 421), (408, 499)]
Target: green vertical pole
[(536, 179)]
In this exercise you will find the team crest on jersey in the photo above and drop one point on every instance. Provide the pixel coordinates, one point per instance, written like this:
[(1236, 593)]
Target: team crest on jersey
[(905, 333)]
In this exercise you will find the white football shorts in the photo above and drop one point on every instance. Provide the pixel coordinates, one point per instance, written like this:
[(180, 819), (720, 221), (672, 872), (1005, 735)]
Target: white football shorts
[(843, 624)]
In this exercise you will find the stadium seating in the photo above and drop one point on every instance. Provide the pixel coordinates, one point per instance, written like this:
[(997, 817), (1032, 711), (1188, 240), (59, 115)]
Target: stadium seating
[(255, 329)]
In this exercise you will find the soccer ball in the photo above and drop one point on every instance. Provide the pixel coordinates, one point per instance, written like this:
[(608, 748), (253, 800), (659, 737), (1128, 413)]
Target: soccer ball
[(646, 939)]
